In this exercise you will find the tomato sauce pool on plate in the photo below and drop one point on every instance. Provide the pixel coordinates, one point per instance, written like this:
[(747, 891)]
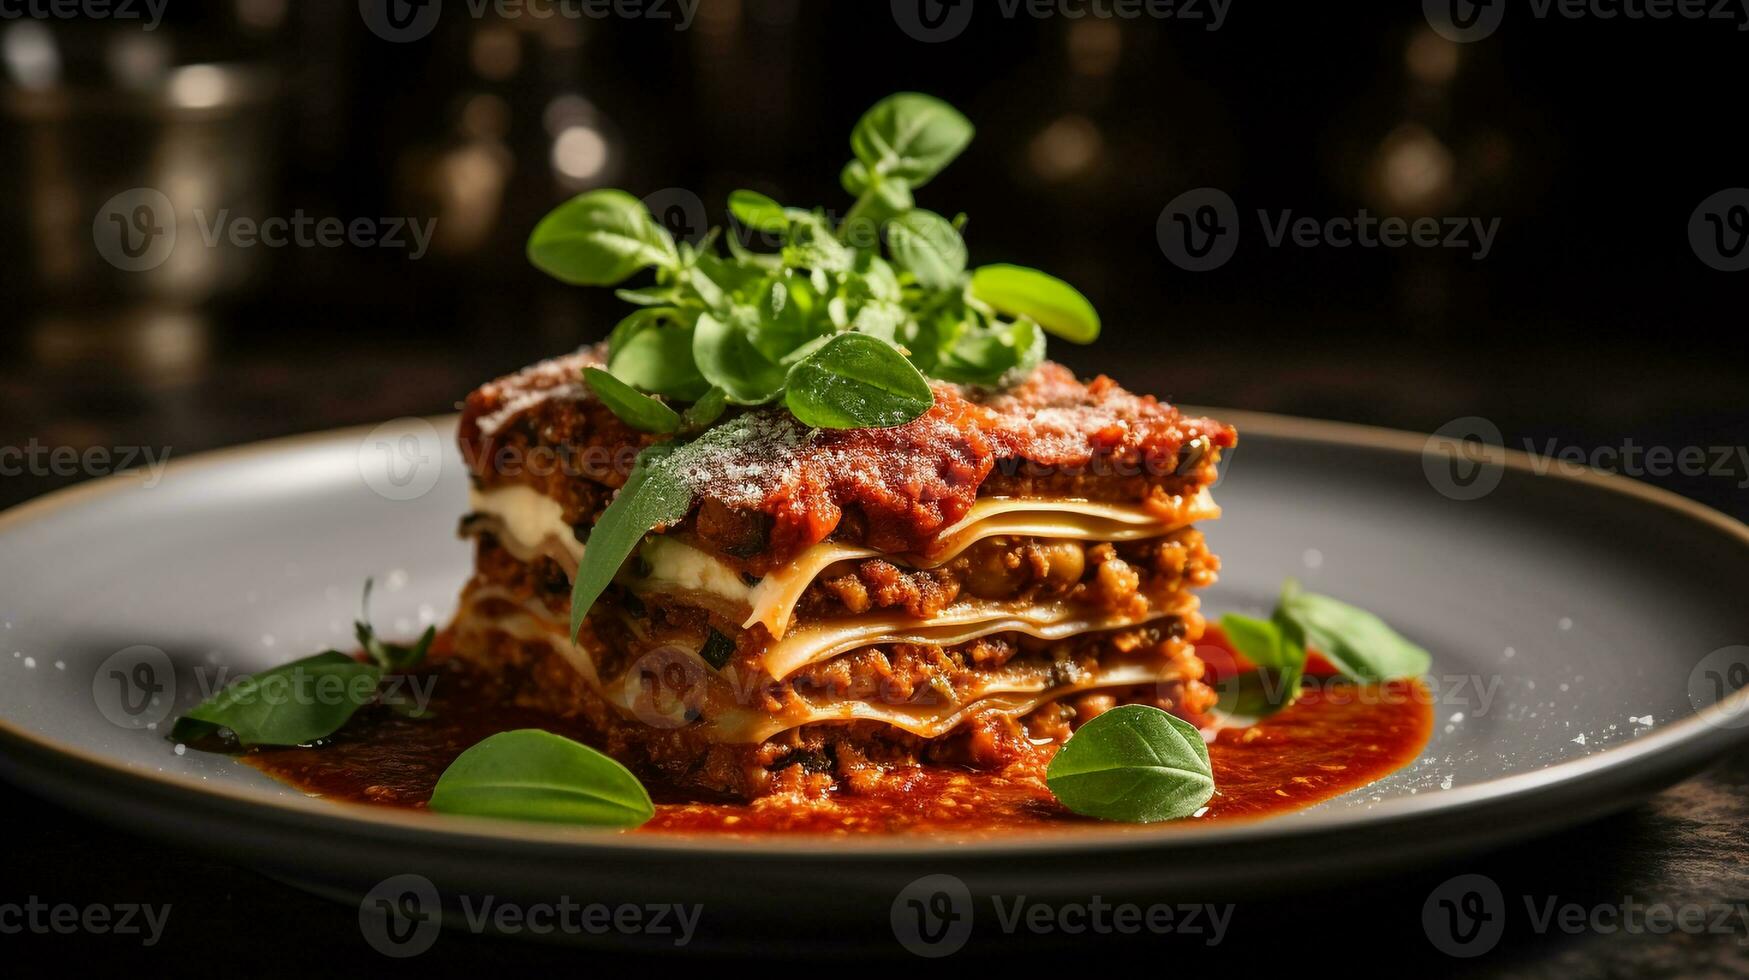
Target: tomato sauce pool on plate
[(1336, 738)]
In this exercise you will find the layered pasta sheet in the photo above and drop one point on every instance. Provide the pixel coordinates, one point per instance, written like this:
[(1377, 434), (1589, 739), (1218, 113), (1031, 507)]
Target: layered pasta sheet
[(669, 572)]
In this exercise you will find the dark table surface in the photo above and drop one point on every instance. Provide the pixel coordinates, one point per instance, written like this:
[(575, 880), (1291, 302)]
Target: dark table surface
[(1685, 847)]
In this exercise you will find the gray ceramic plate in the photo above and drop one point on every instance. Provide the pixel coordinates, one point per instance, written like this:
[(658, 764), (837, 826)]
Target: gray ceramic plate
[(1587, 634)]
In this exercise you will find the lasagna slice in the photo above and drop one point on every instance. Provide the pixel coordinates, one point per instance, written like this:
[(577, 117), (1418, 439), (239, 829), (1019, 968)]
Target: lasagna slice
[(961, 590)]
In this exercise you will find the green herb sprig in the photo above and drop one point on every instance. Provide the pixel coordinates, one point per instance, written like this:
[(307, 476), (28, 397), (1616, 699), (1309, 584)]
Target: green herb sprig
[(1360, 645), (1134, 763), (388, 656), (531, 774), (309, 699), (764, 327), (842, 323)]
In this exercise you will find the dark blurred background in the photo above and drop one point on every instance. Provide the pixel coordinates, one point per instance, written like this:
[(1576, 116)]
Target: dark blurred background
[(1595, 318), (1592, 142)]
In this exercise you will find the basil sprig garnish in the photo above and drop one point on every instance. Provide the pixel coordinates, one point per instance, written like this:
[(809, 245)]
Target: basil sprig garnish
[(1360, 645), (850, 378), (306, 700), (760, 324), (531, 774), (653, 496), (292, 704), (635, 408), (1134, 763), (388, 656), (841, 323)]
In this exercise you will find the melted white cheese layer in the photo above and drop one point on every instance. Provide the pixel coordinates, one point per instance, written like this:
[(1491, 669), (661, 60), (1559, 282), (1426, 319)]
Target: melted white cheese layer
[(530, 519)]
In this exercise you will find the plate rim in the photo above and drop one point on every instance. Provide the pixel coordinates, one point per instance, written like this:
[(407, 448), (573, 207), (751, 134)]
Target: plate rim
[(1695, 738)]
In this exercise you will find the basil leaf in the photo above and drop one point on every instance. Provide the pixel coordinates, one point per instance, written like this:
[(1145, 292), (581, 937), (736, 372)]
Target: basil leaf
[(987, 355), (875, 279), (1277, 651), (389, 656), (1133, 763), (703, 412), (1358, 643), (926, 245), (894, 194), (637, 322), (854, 178), (784, 319), (1029, 345), (599, 239), (1246, 699), (651, 357), (633, 407), (292, 704), (1258, 639), (879, 319), (1056, 305), (530, 774), (731, 279), (814, 245), (652, 497), (910, 136), (659, 296), (758, 212), (805, 351), (728, 359), (856, 381)]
